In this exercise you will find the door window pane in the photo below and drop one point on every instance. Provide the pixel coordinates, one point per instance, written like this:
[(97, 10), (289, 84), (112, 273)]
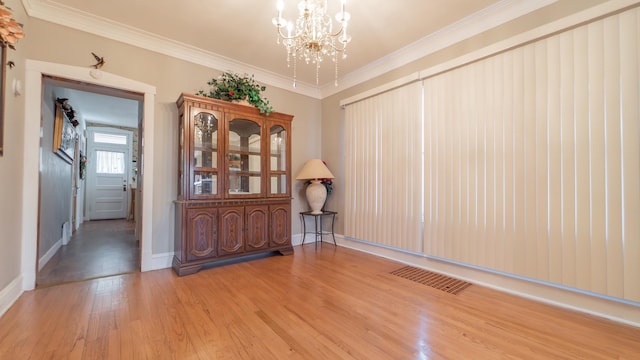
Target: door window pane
[(110, 138), (109, 162)]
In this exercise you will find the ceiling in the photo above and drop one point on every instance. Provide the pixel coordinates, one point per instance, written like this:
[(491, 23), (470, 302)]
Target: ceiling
[(238, 35), (97, 104)]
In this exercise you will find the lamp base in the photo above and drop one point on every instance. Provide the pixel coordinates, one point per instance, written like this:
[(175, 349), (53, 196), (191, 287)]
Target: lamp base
[(316, 196)]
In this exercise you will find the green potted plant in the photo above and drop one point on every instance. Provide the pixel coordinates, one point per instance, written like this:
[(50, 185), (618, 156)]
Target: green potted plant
[(234, 87)]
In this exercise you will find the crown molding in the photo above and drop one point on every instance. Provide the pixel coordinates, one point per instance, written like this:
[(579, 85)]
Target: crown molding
[(53, 12), (481, 21), (490, 17)]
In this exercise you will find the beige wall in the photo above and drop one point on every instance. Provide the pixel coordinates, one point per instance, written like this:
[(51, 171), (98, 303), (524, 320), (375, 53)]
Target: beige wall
[(11, 166)]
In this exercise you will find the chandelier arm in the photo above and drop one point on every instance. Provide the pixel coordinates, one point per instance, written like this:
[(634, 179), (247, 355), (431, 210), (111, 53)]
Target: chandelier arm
[(283, 37), (339, 32), (338, 49), (297, 35)]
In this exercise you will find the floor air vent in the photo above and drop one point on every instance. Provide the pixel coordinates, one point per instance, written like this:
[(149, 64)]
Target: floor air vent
[(435, 280)]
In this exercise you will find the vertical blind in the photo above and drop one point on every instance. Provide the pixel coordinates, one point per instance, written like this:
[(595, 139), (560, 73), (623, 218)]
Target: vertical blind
[(383, 169), (532, 159)]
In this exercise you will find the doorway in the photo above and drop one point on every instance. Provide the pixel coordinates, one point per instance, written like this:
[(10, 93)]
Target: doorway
[(70, 199), (33, 94)]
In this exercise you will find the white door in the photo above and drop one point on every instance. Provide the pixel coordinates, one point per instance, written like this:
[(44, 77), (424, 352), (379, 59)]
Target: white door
[(108, 173)]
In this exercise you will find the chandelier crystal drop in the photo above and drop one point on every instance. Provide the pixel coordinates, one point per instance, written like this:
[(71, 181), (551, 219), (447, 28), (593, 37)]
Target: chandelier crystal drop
[(312, 37)]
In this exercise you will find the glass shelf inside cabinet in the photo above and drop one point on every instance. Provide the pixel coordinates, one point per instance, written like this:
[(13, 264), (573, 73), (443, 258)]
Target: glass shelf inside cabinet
[(244, 158), (205, 153), (278, 160), (205, 183)]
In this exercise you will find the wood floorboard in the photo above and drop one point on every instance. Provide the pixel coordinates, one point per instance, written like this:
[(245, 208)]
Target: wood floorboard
[(98, 249), (329, 303)]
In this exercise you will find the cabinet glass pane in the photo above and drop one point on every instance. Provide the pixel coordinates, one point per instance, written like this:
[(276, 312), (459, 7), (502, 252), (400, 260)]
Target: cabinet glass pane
[(244, 160), (278, 184), (278, 160), (205, 183), (278, 143), (205, 144)]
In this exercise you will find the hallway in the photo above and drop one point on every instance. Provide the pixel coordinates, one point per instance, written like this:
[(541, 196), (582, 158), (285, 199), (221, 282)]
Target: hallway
[(99, 248)]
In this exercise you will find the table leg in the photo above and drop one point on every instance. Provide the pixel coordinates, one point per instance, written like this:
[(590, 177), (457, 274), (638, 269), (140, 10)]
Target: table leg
[(333, 234), (304, 229), (318, 219)]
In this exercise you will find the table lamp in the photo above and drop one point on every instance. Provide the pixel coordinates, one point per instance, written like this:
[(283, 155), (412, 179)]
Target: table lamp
[(316, 192)]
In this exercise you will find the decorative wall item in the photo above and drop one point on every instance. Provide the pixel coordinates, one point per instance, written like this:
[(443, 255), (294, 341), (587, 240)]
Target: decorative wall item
[(68, 111), (10, 33), (83, 166), (99, 61), (10, 30), (64, 135)]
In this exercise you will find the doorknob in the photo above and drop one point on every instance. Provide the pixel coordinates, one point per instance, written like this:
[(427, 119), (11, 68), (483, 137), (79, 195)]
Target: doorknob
[(124, 187)]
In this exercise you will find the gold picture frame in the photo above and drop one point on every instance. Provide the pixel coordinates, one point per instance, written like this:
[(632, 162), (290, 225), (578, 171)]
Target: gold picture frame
[(3, 75), (64, 135)]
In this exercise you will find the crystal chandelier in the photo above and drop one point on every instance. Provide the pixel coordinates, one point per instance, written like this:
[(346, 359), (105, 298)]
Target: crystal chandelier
[(312, 37)]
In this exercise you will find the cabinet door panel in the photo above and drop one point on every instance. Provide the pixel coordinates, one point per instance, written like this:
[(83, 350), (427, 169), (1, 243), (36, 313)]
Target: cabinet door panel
[(204, 153), (280, 224), (257, 227), (244, 156), (231, 230), (202, 233)]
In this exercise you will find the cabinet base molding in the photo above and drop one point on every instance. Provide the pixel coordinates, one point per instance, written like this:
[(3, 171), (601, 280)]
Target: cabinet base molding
[(193, 267)]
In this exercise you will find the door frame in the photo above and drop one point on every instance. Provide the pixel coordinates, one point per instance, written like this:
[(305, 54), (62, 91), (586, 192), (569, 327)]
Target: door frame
[(35, 70)]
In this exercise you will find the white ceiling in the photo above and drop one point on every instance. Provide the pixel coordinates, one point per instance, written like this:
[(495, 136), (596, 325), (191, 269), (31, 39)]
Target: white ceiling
[(104, 109), (97, 104), (238, 35)]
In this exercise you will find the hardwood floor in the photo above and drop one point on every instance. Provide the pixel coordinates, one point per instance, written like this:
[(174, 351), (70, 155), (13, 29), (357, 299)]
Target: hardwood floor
[(98, 248), (329, 303)]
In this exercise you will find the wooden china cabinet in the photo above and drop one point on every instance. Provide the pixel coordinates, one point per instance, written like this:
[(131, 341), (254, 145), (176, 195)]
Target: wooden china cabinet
[(234, 183)]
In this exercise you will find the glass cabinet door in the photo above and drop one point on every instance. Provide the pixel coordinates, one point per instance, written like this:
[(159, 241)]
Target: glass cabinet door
[(205, 153), (244, 158), (277, 160)]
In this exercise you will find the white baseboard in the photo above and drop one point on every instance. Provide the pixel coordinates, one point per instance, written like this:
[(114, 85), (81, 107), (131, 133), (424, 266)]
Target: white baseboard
[(297, 239), (161, 261), (52, 251), (66, 233), (613, 309), (10, 294)]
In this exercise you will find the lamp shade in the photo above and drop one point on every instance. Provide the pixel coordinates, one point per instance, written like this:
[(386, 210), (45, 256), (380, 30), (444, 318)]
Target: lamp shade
[(314, 169)]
